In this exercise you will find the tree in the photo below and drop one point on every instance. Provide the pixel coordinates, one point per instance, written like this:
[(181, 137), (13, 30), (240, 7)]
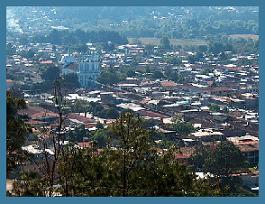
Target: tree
[(82, 48), (51, 74), (99, 125), (10, 49), (109, 46), (158, 74), (77, 134), (174, 75), (147, 69), (111, 113), (202, 48), (28, 53), (199, 56), (224, 160), (149, 49), (217, 46), (130, 73), (223, 56), (109, 77), (82, 106), (214, 108), (142, 170), (55, 37), (192, 58), (80, 37), (96, 107), (165, 43), (31, 185), (183, 128), (17, 131), (127, 165), (23, 39), (70, 81), (100, 137), (174, 60), (56, 137)]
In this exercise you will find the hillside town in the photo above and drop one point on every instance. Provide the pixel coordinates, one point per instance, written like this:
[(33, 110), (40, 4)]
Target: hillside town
[(190, 98)]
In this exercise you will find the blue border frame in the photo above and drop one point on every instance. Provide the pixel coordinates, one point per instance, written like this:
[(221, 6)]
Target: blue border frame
[(5, 3)]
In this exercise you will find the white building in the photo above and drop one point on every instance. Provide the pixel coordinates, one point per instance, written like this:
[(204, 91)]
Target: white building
[(89, 70)]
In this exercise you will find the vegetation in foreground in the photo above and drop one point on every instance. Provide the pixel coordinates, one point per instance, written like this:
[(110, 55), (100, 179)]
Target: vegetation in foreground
[(127, 165)]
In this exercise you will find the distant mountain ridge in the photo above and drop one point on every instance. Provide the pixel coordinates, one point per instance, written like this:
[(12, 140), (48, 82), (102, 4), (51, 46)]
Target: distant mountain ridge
[(174, 22)]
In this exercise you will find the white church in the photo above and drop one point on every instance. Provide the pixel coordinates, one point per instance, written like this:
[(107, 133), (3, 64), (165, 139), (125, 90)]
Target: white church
[(87, 67)]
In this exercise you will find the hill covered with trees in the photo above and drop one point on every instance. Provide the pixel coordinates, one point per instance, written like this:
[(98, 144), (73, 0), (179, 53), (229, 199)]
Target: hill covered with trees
[(175, 22)]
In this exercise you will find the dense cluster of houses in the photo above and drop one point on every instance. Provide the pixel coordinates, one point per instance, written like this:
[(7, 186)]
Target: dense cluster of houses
[(221, 104)]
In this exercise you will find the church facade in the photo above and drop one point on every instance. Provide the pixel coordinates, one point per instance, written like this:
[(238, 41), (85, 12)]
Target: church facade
[(87, 68)]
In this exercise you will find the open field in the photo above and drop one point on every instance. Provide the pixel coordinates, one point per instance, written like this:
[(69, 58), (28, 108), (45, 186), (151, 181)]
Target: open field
[(174, 42), (245, 36)]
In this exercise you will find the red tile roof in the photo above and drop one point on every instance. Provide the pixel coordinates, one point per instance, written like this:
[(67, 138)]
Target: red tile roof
[(183, 156), (168, 84), (46, 62), (35, 112), (151, 114), (248, 146), (85, 144), (82, 119)]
